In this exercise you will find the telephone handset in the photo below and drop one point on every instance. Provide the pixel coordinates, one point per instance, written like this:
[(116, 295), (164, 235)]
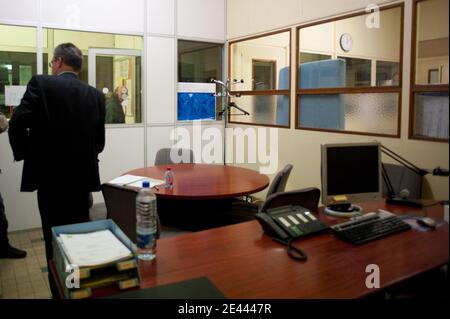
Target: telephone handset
[(286, 223)]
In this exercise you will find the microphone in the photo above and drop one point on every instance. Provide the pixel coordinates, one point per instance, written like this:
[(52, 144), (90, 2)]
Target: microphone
[(440, 171), (404, 193), (403, 199)]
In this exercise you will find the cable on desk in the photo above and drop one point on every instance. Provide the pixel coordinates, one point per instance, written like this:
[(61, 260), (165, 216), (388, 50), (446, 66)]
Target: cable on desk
[(292, 251)]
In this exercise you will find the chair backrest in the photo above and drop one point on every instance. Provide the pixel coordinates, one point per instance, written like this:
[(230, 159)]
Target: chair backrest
[(163, 156), (121, 208), (403, 178), (306, 197), (280, 180)]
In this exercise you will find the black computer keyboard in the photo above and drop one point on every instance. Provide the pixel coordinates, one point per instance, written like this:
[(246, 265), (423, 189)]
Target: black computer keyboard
[(371, 227)]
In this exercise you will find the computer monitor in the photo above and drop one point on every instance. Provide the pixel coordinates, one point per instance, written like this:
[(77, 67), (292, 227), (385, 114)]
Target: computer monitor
[(350, 173)]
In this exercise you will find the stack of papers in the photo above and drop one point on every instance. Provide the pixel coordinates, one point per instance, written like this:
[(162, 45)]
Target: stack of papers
[(94, 249), (135, 181)]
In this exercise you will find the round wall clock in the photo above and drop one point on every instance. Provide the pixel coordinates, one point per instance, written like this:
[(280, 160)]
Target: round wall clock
[(346, 42)]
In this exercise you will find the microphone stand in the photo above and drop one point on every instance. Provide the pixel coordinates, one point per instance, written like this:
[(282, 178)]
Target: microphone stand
[(392, 196), (228, 94), (226, 87)]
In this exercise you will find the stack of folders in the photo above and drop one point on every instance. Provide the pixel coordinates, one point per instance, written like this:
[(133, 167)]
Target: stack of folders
[(96, 258)]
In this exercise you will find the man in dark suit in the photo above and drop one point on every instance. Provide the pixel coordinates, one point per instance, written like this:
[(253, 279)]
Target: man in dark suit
[(59, 130)]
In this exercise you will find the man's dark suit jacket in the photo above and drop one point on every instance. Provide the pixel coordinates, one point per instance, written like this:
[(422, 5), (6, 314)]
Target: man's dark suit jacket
[(59, 130)]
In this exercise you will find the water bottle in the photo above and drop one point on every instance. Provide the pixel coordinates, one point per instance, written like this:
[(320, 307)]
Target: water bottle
[(168, 178), (146, 222)]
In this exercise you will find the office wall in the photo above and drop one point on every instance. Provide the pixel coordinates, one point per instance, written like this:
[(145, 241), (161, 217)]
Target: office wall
[(161, 23), (301, 147)]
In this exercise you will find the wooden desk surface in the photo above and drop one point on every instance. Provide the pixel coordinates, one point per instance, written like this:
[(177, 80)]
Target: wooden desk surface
[(205, 181), (244, 263)]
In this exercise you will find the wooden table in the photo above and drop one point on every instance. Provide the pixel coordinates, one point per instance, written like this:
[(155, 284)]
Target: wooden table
[(205, 181), (244, 263)]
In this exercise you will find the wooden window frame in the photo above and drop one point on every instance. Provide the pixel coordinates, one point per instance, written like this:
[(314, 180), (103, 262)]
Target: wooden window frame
[(419, 88), (263, 92), (351, 90)]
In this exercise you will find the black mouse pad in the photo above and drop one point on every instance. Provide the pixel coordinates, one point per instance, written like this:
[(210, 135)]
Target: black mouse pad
[(197, 288)]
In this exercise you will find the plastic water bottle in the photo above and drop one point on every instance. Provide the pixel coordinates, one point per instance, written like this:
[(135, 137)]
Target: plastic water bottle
[(146, 222), (168, 178)]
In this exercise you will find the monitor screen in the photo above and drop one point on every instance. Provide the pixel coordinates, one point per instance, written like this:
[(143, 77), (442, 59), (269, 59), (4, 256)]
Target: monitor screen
[(350, 172)]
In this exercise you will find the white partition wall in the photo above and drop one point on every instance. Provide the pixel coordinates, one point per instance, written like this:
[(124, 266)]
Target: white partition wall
[(161, 23), (201, 19), (123, 152), (161, 17), (161, 80), (107, 15), (21, 208), (19, 11), (206, 139), (157, 137)]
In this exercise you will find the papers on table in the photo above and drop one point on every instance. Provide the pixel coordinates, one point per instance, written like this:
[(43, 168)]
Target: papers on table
[(135, 181), (93, 249), (126, 179)]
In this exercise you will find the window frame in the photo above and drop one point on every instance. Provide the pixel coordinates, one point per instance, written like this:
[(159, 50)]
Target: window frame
[(419, 88), (263, 92), (351, 90)]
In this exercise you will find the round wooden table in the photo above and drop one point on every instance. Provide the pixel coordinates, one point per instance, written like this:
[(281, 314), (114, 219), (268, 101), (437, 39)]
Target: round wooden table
[(205, 181)]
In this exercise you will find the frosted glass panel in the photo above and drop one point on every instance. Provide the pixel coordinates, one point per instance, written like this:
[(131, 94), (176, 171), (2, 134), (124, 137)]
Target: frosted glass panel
[(431, 115), (374, 113), (263, 109)]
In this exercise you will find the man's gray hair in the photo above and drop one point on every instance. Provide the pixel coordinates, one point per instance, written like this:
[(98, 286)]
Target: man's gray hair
[(70, 54)]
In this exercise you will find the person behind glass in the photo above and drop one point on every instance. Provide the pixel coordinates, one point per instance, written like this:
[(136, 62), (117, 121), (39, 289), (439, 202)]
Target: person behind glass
[(115, 112), (58, 130), (6, 250)]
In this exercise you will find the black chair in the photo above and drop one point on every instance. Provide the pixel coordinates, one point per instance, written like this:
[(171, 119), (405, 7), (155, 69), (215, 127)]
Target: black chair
[(163, 156), (278, 185), (280, 180), (121, 208), (306, 197), (403, 178)]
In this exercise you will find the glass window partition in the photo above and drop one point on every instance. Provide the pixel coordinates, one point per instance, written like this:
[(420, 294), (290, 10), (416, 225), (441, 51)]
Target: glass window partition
[(112, 63)]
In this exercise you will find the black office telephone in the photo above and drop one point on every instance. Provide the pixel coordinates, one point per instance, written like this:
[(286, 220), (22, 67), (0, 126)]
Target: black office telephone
[(286, 223)]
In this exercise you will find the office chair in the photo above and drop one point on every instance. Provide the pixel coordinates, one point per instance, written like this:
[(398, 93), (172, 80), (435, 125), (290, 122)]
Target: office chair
[(163, 156), (121, 208), (280, 180), (306, 197), (278, 185), (403, 178)]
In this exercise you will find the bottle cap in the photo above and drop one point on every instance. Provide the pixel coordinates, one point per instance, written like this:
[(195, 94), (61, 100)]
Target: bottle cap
[(145, 184)]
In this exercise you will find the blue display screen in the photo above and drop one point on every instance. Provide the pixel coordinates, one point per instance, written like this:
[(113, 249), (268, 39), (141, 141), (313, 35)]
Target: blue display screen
[(196, 106)]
